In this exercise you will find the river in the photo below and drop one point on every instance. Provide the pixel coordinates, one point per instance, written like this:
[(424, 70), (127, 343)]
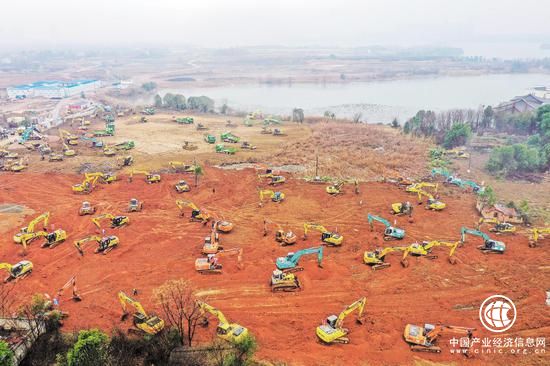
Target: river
[(378, 101)]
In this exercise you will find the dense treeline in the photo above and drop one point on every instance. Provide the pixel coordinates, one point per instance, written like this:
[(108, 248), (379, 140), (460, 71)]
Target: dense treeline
[(180, 103)]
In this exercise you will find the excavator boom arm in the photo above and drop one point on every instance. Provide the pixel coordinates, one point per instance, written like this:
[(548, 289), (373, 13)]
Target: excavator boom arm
[(357, 305)]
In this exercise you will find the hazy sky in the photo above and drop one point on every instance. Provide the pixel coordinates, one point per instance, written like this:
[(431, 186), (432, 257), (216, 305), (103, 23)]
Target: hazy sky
[(43, 23)]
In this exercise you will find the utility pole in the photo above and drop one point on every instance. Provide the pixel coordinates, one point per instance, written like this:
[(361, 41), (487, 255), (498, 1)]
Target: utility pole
[(316, 165)]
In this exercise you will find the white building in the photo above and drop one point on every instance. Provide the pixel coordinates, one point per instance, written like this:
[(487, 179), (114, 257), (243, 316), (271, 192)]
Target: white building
[(52, 89)]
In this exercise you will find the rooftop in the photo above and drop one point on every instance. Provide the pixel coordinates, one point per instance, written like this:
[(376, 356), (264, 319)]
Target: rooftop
[(47, 84)]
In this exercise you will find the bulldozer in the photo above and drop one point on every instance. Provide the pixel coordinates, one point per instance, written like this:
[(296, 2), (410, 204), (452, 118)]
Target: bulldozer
[(86, 209), (489, 245), (150, 324), (104, 244), (275, 196), (424, 249), (231, 332), (245, 145), (499, 227), (281, 236), (149, 177), (390, 232), (116, 221), (211, 265), (284, 282), (327, 237), (275, 179), (423, 339), (290, 263), (135, 205), (536, 234), (376, 259), (196, 213), (182, 186), (18, 270), (332, 331), (402, 208)]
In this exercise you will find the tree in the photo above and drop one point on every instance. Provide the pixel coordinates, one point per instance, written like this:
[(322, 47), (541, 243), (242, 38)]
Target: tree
[(158, 101), (149, 86), (224, 108), (244, 350), (179, 102), (169, 100), (457, 136), (488, 115), (6, 354), (197, 171), (90, 349), (357, 117), (298, 115), (395, 123), (180, 308), (329, 114)]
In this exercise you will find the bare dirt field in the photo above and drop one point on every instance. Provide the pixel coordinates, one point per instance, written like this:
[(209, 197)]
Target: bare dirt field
[(159, 245)]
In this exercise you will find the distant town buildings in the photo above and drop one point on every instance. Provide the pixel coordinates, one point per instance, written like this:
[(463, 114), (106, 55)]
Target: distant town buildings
[(521, 104), (52, 89)]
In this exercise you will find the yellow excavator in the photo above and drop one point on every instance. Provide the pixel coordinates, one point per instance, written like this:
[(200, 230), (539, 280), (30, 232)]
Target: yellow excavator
[(27, 234), (150, 324), (66, 149), (330, 238), (433, 203), (17, 271), (231, 332), (149, 178), (116, 221), (275, 179), (336, 188), (275, 196), (211, 265), (54, 238), (423, 339), (70, 283), (499, 227), (424, 249), (284, 281), (376, 259), (333, 331), (86, 186), (181, 167), (402, 208), (105, 243), (536, 234), (415, 187), (68, 137), (196, 213)]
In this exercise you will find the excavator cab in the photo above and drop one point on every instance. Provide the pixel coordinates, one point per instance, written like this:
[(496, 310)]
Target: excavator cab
[(277, 179), (55, 238), (331, 238), (134, 206), (493, 246), (106, 244)]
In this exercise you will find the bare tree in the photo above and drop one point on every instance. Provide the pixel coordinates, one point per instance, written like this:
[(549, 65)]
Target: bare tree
[(298, 115), (6, 299), (357, 117), (180, 307)]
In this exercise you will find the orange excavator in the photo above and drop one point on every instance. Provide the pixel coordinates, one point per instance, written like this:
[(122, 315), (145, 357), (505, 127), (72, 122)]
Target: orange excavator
[(423, 339), (211, 265)]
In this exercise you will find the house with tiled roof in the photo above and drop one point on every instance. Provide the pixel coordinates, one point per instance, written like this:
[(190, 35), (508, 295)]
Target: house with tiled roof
[(500, 212), (521, 104)]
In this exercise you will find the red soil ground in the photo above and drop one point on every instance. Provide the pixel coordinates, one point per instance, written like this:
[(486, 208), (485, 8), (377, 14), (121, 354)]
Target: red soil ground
[(160, 245)]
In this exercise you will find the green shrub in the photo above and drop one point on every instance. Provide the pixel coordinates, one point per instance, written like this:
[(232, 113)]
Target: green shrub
[(90, 349)]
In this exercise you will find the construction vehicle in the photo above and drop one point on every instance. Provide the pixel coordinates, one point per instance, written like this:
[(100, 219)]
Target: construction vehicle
[(149, 178), (376, 259), (68, 137), (185, 120), (67, 151), (231, 332), (70, 283), (87, 185), (108, 131), (149, 111), (123, 161), (423, 339), (332, 331), (285, 238), (402, 208), (86, 209), (150, 324), (105, 243), (211, 265), (330, 238), (116, 221), (335, 188), (135, 205), (275, 196), (18, 270), (286, 282), (55, 157), (278, 132), (441, 171), (201, 127), (95, 142), (212, 243), (499, 227), (424, 249), (28, 233), (432, 203), (126, 145), (182, 186), (413, 188), (196, 213), (489, 245), (54, 238), (536, 234), (223, 226), (390, 232), (266, 131), (181, 167), (457, 153), (476, 188), (14, 166), (143, 119), (229, 137), (245, 145), (290, 262), (211, 139), (221, 149), (189, 146), (109, 151)]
